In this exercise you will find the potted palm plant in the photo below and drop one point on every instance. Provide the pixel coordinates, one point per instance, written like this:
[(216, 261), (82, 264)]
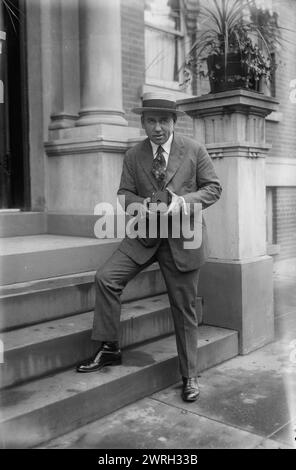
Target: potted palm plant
[(236, 40)]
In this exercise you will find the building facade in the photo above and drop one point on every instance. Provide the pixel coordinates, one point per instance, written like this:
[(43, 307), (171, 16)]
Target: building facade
[(73, 70)]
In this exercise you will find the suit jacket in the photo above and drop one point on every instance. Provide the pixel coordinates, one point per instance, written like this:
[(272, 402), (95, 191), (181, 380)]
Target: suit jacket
[(190, 173)]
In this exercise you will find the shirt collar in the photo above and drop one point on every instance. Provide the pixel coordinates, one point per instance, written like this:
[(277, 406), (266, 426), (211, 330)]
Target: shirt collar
[(166, 146)]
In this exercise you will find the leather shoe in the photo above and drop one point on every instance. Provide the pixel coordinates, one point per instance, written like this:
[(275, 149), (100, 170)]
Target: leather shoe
[(109, 354), (190, 389)]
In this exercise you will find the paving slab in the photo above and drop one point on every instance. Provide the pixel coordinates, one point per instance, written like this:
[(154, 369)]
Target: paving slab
[(270, 444), (256, 392), (285, 268), (149, 424), (286, 435), (284, 295), (285, 328)]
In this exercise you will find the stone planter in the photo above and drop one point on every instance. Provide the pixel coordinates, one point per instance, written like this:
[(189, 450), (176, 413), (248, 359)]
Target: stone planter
[(231, 77)]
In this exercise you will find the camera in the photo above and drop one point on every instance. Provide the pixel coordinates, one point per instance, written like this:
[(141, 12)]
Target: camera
[(159, 197)]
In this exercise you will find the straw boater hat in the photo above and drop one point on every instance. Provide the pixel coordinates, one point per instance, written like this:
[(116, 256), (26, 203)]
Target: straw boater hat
[(156, 101)]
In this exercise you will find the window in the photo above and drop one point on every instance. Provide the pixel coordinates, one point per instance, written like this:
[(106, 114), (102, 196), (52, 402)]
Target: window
[(164, 41), (270, 202)]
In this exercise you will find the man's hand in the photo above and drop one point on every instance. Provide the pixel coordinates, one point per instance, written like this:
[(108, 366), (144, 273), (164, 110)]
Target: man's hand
[(141, 208), (176, 205), (144, 209)]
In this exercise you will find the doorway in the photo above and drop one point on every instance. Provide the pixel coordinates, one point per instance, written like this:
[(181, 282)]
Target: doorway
[(14, 161)]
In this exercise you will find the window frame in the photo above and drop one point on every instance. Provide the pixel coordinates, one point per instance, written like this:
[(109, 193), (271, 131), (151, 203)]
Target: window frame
[(181, 34)]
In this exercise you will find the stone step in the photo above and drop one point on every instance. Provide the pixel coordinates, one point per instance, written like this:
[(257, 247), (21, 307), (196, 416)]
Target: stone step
[(78, 225), (41, 349), (46, 408), (27, 258), (46, 348), (17, 223), (32, 302)]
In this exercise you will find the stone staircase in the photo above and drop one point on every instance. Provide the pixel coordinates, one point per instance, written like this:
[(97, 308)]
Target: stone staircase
[(46, 302)]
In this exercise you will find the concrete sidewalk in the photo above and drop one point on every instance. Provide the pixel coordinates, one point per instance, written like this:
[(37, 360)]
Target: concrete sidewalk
[(247, 402)]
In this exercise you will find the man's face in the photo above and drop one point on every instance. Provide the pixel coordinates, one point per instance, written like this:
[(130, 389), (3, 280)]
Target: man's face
[(158, 126)]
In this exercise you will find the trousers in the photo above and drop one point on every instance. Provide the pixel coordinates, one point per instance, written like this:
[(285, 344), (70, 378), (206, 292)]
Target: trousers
[(110, 281)]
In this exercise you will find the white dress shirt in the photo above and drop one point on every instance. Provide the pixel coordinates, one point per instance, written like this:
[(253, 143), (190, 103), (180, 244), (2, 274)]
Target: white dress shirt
[(166, 148)]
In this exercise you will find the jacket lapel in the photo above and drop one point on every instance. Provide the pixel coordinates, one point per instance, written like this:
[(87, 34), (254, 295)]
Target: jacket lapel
[(175, 158), (174, 163)]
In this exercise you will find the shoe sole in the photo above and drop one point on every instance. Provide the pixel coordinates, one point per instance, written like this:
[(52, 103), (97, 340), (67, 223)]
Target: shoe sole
[(113, 363)]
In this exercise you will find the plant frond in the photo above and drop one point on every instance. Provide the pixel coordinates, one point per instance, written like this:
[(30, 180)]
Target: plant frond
[(212, 16), (12, 11)]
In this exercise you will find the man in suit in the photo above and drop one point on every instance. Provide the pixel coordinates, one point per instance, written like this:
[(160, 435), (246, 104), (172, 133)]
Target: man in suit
[(181, 170)]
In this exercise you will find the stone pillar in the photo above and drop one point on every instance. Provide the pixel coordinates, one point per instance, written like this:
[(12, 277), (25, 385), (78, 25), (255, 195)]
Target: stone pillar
[(85, 161), (64, 64), (100, 63), (236, 282)]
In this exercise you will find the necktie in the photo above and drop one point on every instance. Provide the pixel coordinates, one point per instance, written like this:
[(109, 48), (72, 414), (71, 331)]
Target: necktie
[(159, 165)]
